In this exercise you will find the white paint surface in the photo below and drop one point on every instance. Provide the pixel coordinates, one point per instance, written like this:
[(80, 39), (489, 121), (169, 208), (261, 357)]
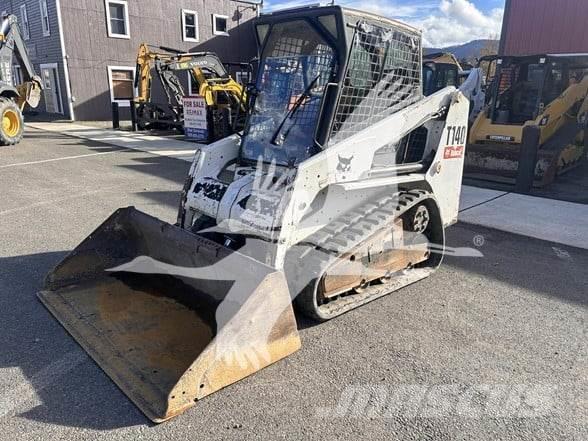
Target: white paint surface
[(23, 392), (561, 222), (156, 145), (472, 196)]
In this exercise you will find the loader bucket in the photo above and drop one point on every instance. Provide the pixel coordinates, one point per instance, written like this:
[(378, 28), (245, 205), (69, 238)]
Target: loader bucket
[(170, 316), (30, 92)]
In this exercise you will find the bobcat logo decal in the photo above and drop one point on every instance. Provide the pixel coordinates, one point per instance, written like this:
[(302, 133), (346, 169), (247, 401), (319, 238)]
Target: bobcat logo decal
[(344, 164)]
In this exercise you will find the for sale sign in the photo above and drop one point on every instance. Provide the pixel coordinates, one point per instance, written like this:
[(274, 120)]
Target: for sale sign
[(195, 121)]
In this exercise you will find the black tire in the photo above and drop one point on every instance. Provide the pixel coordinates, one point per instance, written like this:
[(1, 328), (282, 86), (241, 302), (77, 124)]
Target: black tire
[(11, 122)]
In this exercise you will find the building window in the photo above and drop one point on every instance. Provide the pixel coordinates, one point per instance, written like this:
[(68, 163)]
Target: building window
[(190, 25), (44, 18), (117, 16), (220, 24), (121, 80), (16, 75), (24, 22)]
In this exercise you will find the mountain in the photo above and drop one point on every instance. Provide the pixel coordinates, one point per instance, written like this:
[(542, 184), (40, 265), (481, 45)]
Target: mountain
[(468, 51)]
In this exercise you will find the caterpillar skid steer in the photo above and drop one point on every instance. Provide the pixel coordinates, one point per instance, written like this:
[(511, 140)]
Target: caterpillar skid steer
[(546, 91), (337, 193), (225, 98), (13, 97)]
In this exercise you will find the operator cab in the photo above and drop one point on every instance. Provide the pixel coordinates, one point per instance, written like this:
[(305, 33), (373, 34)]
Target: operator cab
[(440, 70), (325, 74), (524, 86)]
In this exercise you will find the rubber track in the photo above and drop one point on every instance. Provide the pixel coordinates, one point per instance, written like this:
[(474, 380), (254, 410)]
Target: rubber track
[(325, 246)]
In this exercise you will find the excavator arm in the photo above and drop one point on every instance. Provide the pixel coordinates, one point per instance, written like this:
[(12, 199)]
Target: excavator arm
[(143, 73), (12, 44), (208, 71), (172, 60)]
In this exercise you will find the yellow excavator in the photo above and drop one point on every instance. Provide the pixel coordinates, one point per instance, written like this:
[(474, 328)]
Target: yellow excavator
[(225, 98), (14, 97), (546, 91)]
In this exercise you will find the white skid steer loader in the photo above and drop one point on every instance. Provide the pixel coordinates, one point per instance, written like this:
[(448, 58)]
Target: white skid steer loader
[(337, 193)]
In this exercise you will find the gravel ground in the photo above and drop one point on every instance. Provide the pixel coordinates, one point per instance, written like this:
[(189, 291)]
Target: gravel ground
[(489, 348)]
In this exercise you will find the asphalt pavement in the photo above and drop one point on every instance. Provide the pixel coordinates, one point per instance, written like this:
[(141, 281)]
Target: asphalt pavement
[(490, 348)]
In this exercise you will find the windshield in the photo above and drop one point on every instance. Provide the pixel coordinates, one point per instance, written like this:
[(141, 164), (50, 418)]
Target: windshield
[(296, 66), (519, 89), (439, 76)]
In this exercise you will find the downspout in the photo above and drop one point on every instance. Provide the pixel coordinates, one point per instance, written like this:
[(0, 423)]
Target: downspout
[(65, 64)]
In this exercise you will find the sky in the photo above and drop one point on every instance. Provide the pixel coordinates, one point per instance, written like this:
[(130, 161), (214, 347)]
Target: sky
[(443, 22)]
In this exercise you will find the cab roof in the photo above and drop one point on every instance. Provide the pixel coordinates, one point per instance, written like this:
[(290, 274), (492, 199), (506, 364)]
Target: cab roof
[(346, 12)]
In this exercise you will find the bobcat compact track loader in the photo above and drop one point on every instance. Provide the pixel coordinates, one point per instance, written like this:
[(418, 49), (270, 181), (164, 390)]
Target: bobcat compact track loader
[(337, 193), (13, 97), (546, 91)]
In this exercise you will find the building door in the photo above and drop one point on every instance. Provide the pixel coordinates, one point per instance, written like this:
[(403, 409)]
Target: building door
[(52, 92)]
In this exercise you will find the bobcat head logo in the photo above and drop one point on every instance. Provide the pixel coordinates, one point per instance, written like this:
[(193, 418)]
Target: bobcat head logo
[(344, 164)]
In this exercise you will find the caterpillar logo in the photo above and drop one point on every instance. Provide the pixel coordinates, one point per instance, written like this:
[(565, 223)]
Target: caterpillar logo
[(501, 138)]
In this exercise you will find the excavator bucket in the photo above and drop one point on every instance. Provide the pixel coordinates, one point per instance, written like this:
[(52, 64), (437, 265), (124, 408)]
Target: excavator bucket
[(170, 316)]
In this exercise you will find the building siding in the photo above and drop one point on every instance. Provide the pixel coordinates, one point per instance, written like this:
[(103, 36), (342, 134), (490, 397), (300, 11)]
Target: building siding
[(90, 50), (43, 49), (545, 26)]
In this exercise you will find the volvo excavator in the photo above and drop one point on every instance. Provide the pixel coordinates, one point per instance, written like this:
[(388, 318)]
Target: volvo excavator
[(14, 97), (225, 98), (337, 193)]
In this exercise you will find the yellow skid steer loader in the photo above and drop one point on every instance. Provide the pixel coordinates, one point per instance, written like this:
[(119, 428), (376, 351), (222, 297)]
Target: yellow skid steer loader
[(337, 193), (546, 91)]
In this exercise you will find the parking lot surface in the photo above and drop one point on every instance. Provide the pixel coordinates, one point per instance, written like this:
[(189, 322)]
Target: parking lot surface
[(488, 348)]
